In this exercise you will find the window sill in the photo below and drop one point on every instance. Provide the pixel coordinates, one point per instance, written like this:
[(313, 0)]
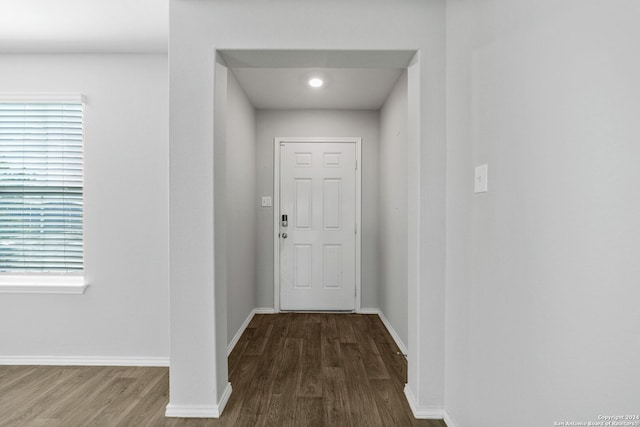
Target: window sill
[(71, 285)]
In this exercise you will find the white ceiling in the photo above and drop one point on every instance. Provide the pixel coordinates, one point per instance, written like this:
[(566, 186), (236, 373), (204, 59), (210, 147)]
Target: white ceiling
[(77, 26), (354, 80), (344, 88)]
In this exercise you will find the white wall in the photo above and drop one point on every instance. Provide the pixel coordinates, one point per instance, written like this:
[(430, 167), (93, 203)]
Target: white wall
[(241, 205), (282, 123), (124, 312), (543, 272), (197, 29), (392, 260)]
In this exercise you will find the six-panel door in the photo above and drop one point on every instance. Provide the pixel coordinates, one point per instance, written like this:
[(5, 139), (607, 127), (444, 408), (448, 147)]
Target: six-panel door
[(318, 195)]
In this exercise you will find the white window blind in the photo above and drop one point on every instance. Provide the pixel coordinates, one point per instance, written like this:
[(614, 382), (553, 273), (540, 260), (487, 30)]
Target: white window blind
[(41, 187)]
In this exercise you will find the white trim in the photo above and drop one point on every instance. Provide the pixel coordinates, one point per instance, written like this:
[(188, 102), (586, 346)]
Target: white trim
[(401, 345), (422, 412), (414, 226), (276, 211), (449, 421), (42, 97), (358, 296), (241, 330), (243, 327), (276, 224), (200, 411), (224, 399), (40, 284), (192, 411), (84, 361)]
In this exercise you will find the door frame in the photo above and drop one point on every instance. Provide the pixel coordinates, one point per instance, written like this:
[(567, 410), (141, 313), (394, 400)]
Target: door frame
[(276, 211)]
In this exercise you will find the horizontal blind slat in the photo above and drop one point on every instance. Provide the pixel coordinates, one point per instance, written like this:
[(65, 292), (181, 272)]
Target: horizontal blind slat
[(41, 187)]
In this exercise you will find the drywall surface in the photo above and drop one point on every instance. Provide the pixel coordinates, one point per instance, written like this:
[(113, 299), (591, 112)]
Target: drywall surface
[(124, 313), (318, 123), (542, 271), (197, 29), (241, 205), (392, 259)]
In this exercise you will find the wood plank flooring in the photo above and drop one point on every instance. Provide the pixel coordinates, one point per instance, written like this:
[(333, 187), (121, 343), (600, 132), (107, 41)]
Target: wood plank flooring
[(286, 370)]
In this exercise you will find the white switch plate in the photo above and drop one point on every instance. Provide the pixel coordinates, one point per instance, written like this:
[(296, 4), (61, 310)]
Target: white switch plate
[(480, 184), (266, 201)]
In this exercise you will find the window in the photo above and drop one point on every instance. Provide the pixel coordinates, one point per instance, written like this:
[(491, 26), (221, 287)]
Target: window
[(41, 186)]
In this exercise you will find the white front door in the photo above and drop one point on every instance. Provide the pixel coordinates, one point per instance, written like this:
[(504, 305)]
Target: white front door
[(318, 243)]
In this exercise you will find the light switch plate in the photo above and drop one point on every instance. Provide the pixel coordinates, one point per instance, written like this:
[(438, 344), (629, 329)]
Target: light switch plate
[(266, 201), (480, 183)]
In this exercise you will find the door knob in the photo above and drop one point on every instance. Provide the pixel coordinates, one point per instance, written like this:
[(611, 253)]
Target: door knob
[(284, 235)]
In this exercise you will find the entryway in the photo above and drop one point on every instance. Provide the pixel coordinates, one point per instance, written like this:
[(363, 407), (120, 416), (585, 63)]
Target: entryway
[(259, 104), (223, 257)]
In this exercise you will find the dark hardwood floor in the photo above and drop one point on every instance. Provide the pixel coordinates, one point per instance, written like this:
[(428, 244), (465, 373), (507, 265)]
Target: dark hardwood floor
[(287, 370)]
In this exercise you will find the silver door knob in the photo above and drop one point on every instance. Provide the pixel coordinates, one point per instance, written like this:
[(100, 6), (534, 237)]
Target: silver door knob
[(284, 235)]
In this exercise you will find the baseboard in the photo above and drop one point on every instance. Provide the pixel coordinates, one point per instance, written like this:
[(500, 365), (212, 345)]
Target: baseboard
[(199, 411), (385, 321), (236, 337), (422, 412), (238, 334), (224, 398), (84, 361), (449, 421), (192, 411)]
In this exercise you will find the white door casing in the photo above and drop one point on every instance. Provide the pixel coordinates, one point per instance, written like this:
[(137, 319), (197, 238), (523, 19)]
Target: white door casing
[(317, 185)]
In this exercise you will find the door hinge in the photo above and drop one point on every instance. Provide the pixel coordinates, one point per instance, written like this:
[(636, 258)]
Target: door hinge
[(356, 165), (355, 228)]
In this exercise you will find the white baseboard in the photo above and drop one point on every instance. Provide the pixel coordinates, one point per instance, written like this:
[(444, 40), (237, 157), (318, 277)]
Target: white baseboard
[(385, 321), (236, 337), (238, 334), (192, 411), (226, 394), (199, 411), (422, 412), (419, 412), (449, 421), (84, 361)]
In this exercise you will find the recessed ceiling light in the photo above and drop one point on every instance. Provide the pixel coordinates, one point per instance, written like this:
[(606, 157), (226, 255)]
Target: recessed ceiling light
[(315, 82)]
